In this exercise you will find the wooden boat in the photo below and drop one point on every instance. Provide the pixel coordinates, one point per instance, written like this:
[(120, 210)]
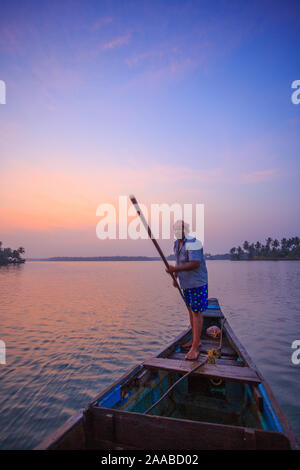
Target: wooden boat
[(226, 405)]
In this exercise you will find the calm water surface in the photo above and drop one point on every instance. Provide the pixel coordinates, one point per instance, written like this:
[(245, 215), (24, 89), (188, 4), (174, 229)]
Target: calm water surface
[(71, 328)]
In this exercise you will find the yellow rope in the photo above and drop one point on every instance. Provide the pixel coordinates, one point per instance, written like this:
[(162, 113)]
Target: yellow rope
[(213, 354)]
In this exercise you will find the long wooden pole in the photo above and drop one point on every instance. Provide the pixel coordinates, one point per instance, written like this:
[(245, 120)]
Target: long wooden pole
[(147, 227)]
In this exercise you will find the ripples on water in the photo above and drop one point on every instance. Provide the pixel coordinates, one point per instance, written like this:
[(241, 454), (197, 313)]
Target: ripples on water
[(71, 328)]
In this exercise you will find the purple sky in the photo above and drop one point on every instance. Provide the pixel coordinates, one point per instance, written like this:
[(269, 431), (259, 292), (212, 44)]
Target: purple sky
[(181, 101)]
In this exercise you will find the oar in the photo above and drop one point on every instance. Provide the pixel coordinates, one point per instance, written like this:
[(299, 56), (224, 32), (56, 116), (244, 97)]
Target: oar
[(147, 227)]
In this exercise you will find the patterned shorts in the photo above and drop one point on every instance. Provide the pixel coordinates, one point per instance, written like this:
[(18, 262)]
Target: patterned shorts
[(197, 298)]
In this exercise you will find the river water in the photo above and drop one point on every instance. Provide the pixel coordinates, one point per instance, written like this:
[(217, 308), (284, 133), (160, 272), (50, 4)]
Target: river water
[(71, 328)]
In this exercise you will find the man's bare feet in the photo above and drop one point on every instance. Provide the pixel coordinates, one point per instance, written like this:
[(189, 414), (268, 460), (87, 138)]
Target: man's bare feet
[(193, 354)]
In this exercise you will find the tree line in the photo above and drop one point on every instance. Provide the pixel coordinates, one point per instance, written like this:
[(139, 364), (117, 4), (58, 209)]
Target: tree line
[(287, 248), (9, 256)]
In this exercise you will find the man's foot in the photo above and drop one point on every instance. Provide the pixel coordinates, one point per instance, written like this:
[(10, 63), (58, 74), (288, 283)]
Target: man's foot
[(193, 354)]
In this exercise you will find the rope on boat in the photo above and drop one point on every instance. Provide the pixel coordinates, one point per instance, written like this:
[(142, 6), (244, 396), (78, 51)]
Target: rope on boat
[(212, 355), (174, 385)]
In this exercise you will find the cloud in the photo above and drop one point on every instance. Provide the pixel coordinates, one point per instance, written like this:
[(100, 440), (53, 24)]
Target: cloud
[(182, 45), (116, 42), (100, 22), (61, 195), (169, 60), (53, 75), (11, 39), (57, 203), (259, 176)]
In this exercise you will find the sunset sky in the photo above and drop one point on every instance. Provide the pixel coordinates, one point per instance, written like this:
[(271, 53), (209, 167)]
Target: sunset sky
[(174, 101)]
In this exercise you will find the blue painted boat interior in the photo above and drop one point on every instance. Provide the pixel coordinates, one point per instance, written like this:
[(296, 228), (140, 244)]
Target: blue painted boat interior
[(196, 398)]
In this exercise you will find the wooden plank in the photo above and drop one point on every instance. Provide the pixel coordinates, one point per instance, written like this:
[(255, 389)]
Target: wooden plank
[(250, 438), (163, 433), (207, 344), (213, 301), (235, 343), (213, 313), (223, 360), (238, 374), (109, 445)]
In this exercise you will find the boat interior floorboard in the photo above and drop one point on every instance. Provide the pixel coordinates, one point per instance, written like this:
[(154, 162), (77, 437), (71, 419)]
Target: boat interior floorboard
[(226, 360), (240, 374)]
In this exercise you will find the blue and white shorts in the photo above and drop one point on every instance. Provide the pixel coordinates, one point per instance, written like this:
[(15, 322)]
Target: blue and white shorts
[(197, 298)]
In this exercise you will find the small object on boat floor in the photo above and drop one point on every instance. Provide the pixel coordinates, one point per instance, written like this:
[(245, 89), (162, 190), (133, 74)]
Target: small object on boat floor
[(213, 331), (213, 354)]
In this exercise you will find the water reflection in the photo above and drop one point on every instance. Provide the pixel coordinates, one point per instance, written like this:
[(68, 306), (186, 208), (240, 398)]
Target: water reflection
[(71, 328)]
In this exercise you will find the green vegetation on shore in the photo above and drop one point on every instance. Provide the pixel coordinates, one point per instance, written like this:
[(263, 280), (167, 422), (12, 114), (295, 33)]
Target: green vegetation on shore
[(287, 248), (9, 256)]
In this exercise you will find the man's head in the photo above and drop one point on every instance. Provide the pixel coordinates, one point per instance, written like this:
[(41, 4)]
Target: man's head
[(181, 229)]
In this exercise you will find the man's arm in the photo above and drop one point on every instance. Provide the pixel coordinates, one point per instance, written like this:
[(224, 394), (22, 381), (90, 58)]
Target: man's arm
[(184, 267)]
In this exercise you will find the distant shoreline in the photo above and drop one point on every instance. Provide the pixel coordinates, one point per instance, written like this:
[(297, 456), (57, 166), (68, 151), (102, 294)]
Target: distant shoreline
[(96, 258), (268, 259), (149, 258), (118, 258)]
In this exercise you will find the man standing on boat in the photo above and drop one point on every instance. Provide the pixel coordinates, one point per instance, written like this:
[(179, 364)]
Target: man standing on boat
[(190, 269)]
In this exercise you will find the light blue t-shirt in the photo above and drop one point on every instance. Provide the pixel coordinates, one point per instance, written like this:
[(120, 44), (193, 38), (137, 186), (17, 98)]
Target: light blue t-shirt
[(191, 250)]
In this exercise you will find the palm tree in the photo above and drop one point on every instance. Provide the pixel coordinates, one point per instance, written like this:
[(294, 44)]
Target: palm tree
[(267, 247), (284, 248), (251, 251), (7, 252), (275, 245), (257, 248), (296, 243), (289, 243), (283, 243), (239, 252), (15, 255), (246, 245), (8, 256), (289, 248)]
